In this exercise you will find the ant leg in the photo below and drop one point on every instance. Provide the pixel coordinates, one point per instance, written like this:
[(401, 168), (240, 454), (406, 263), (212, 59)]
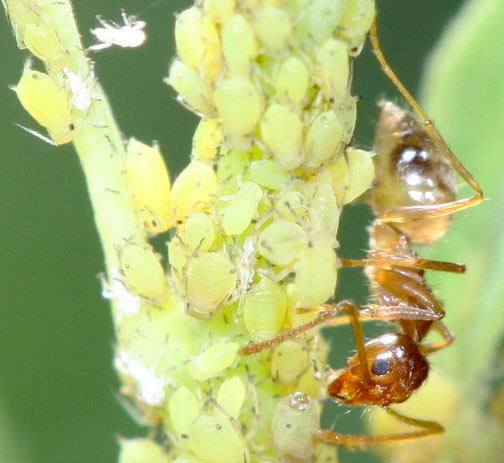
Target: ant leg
[(429, 428), (405, 287), (444, 331), (412, 262), (406, 214), (328, 311)]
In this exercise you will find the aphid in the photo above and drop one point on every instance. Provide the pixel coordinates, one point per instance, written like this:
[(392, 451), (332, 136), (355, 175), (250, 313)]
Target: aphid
[(213, 361), (47, 104), (21, 13), (143, 271), (149, 185), (388, 369), (141, 449), (41, 39), (131, 35), (215, 438)]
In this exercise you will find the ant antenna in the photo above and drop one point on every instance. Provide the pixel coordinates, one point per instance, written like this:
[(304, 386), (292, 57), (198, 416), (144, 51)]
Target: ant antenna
[(433, 132)]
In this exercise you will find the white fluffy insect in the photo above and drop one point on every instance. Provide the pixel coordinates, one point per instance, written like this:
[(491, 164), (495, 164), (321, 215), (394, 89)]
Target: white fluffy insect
[(151, 388), (127, 303), (81, 89), (131, 35)]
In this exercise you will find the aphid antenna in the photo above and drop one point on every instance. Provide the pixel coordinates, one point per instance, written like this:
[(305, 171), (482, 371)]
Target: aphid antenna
[(36, 134)]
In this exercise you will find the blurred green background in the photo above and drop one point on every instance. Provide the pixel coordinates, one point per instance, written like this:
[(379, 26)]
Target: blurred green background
[(57, 384)]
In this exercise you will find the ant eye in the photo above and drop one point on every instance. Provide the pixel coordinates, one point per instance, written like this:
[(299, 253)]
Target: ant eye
[(381, 367)]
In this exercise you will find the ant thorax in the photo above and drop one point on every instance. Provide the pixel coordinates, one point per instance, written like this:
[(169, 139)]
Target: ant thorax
[(410, 170)]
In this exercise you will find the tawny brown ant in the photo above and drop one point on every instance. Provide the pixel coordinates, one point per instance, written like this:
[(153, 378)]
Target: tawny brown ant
[(414, 200)]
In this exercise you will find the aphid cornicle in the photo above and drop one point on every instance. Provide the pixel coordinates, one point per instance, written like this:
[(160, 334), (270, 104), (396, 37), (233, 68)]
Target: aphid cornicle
[(414, 199), (47, 104)]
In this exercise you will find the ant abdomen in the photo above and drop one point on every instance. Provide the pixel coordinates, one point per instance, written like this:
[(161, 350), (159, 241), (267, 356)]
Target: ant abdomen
[(411, 172), (397, 368)]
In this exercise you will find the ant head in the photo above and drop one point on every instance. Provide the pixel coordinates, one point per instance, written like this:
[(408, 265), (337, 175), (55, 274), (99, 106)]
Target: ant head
[(395, 369)]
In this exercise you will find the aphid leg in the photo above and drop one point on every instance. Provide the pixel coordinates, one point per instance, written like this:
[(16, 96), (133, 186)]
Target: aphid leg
[(406, 214), (444, 331), (429, 428), (412, 262)]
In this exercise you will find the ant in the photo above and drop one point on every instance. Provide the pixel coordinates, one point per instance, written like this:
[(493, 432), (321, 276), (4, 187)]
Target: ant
[(414, 199)]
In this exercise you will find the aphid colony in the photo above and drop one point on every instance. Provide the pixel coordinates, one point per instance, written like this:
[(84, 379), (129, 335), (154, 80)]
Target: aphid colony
[(60, 99), (253, 222), (54, 100)]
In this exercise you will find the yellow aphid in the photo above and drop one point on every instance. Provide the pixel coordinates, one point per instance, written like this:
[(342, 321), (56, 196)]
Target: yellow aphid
[(294, 421), (292, 81), (274, 28), (140, 450), (239, 44), (193, 90), (323, 207), (291, 205), (47, 104), (267, 174), (21, 13), (348, 117), (199, 232), (232, 164), (143, 270), (192, 189), (290, 360), (211, 277), (352, 176), (281, 130), (183, 409), (149, 184), (214, 439), (239, 106), (324, 454), (356, 22), (177, 254), (231, 396), (323, 139), (333, 70), (319, 20), (219, 11), (188, 458), (207, 140), (198, 43), (213, 361), (264, 309), (242, 209), (316, 270), (44, 43), (282, 241)]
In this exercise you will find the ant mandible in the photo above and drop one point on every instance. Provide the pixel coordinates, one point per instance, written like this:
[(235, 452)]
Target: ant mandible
[(414, 200)]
